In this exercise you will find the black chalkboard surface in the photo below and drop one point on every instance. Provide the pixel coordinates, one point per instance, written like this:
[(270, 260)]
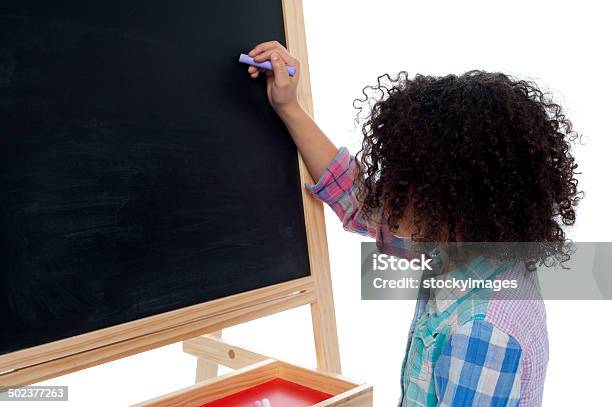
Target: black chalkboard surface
[(141, 169)]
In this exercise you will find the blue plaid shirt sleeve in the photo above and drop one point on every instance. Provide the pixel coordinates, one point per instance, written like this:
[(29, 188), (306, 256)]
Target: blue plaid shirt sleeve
[(480, 365)]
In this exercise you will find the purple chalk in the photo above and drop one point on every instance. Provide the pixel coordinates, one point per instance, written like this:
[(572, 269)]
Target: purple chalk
[(245, 59)]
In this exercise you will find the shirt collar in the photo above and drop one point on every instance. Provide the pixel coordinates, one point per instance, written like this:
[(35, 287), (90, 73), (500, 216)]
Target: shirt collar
[(479, 268)]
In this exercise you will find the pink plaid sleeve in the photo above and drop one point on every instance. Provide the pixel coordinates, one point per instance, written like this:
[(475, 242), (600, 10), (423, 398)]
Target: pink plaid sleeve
[(335, 188)]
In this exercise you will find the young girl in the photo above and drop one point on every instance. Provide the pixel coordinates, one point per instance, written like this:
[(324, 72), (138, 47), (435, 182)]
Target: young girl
[(478, 157)]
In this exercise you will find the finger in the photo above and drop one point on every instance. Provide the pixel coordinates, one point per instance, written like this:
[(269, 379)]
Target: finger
[(281, 76), (264, 54), (264, 46), (283, 53), (253, 72)]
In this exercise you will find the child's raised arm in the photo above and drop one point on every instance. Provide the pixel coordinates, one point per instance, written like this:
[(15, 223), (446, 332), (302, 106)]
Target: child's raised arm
[(314, 146), (333, 170)]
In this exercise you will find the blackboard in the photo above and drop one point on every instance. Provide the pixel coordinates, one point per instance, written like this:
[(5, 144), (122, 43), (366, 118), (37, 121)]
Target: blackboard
[(141, 169)]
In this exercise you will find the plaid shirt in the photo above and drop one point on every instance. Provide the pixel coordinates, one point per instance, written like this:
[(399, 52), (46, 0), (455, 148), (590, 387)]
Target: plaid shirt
[(488, 349)]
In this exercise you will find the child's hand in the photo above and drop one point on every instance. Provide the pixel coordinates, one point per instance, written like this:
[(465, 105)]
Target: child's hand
[(281, 86)]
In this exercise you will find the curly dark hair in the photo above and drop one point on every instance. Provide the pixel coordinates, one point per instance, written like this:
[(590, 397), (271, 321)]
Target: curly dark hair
[(479, 157)]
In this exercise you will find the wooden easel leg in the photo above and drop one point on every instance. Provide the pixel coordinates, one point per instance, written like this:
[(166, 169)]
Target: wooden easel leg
[(325, 334), (205, 368)]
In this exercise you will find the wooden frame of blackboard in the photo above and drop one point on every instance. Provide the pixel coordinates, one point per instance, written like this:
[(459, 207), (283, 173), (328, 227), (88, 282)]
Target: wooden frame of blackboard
[(89, 349)]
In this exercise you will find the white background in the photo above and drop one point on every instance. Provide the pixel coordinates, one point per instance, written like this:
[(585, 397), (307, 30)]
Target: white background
[(562, 46)]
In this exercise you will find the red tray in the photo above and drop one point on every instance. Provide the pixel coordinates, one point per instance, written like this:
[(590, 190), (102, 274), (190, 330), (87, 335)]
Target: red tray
[(281, 393)]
